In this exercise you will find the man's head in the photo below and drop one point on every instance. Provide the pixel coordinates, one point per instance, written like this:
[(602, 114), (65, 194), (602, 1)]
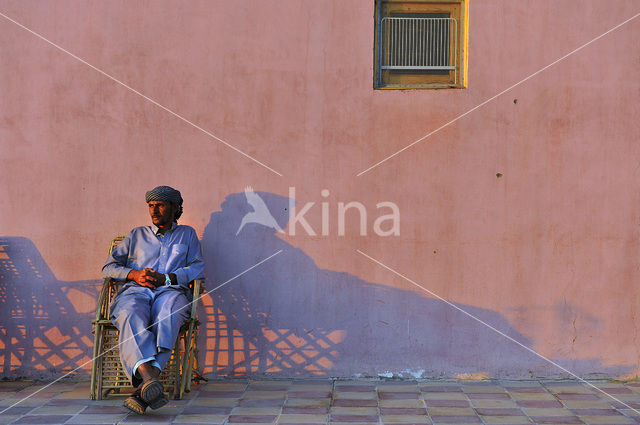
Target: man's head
[(165, 205)]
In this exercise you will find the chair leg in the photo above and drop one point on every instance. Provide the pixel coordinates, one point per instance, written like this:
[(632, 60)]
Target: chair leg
[(177, 395), (188, 360), (97, 360), (94, 364)]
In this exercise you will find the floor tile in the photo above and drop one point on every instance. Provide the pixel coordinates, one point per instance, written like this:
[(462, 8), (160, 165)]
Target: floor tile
[(596, 412), (207, 410), (5, 419), (578, 396), (58, 410), (18, 410), (217, 402), (358, 395), (447, 403), (354, 423), (261, 402), (533, 411), (511, 420), (270, 383), (451, 411), (537, 389), (310, 388), (353, 418), (402, 411), (488, 396), (309, 394), (385, 395), (405, 419), (495, 404), (440, 388), (43, 419), (626, 405), (301, 402), (586, 404), (221, 393), (540, 404), (481, 388), (200, 419), (298, 418), (263, 394), (82, 401), (256, 410), (398, 383), (607, 420), (445, 396), (499, 412), (615, 390), (263, 386), (570, 389), (224, 386), (252, 418), (356, 383), (556, 420), (532, 396), (631, 414), (97, 418), (456, 420), (354, 403), (336, 410), (401, 403), (399, 388), (150, 417), (355, 388), (307, 410), (30, 402), (103, 409)]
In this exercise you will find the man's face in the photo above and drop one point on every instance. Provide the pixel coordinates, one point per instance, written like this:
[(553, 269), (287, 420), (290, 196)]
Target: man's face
[(162, 212)]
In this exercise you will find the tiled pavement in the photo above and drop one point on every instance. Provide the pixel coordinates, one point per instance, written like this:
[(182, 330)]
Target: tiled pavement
[(339, 402)]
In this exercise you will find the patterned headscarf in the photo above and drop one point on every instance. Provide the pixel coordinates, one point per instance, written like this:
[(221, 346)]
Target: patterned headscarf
[(167, 194)]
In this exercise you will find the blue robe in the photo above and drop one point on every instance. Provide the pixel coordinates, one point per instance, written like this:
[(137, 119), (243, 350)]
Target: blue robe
[(149, 319)]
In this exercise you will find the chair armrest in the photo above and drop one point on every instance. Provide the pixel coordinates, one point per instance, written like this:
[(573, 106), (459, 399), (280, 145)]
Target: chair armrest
[(104, 295)]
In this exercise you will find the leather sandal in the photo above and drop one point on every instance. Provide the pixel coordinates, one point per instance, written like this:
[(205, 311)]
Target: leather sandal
[(152, 393), (135, 404)]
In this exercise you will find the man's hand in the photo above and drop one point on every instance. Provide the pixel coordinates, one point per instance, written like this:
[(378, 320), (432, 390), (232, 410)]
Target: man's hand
[(147, 277)]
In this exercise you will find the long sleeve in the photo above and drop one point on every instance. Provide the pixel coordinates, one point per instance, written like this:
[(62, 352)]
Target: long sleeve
[(194, 261), (116, 265)]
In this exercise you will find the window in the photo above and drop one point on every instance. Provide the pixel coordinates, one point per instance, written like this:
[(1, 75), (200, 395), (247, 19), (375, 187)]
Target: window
[(420, 44)]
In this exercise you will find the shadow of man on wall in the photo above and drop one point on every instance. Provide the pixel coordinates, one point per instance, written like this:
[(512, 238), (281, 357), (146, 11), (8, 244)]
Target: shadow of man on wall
[(290, 317)]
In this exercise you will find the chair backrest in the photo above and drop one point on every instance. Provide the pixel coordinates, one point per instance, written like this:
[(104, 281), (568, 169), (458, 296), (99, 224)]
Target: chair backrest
[(110, 288)]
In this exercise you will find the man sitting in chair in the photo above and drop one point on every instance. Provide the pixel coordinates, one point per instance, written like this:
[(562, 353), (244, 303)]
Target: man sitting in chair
[(157, 262)]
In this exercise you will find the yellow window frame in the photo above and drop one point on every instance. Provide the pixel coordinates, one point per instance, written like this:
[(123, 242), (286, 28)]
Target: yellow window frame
[(389, 79)]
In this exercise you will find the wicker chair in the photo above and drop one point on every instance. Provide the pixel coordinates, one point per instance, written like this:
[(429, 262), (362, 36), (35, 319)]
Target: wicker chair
[(107, 374)]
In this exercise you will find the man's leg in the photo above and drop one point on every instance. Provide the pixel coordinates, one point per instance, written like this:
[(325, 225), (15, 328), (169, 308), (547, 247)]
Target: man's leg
[(131, 314), (169, 311)]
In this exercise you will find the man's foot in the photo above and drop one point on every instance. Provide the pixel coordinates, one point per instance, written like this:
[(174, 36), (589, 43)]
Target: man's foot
[(135, 403), (152, 393)]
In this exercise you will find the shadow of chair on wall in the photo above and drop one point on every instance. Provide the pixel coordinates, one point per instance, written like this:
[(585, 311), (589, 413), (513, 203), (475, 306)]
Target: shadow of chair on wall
[(41, 332), (290, 317)]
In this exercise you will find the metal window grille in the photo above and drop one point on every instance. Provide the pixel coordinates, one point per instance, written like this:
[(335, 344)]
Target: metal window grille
[(424, 44)]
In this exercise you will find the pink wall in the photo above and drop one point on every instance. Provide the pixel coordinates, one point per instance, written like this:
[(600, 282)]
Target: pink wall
[(548, 253)]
